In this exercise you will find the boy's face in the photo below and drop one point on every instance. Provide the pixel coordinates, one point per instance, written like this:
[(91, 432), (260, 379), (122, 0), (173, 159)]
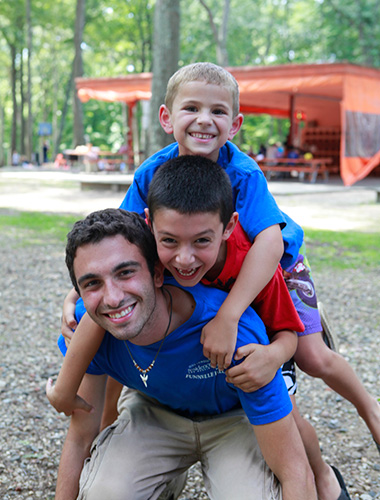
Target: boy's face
[(201, 119), (191, 246)]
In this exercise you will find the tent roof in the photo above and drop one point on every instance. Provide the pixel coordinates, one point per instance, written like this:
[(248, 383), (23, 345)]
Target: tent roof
[(345, 96), (261, 87)]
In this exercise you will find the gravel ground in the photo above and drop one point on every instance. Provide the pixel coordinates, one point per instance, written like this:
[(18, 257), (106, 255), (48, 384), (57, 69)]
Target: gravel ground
[(33, 284)]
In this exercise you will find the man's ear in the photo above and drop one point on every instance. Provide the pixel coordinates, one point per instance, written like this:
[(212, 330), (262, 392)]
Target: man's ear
[(147, 218), (230, 226), (164, 117), (158, 274), (236, 125)]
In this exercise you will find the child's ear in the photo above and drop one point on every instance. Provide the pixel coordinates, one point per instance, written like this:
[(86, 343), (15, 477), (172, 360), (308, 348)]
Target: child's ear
[(147, 217), (236, 125), (230, 226), (164, 117), (158, 274)]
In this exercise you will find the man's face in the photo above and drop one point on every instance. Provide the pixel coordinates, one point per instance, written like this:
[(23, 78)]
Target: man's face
[(189, 246), (201, 119), (117, 288)]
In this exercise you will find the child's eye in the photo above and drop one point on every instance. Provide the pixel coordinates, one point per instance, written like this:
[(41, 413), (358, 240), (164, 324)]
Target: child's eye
[(202, 241), (219, 112), (168, 241), (191, 109)]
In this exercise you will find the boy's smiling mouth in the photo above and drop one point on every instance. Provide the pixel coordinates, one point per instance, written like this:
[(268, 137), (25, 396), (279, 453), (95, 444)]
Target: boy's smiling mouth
[(198, 135), (187, 273)]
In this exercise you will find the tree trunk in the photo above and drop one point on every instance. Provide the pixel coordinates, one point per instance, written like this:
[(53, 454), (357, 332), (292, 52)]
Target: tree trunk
[(55, 109), (14, 100), (165, 63), (68, 94), (29, 128), (219, 34), (2, 159), (22, 108), (78, 71)]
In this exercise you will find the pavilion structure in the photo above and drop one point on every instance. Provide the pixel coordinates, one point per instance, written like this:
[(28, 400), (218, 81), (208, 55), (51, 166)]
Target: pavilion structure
[(339, 104)]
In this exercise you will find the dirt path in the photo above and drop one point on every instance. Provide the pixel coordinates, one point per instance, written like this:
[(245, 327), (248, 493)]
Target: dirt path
[(322, 206)]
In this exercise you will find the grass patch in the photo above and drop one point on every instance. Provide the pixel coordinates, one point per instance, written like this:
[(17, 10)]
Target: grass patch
[(342, 250), (36, 227), (325, 249)]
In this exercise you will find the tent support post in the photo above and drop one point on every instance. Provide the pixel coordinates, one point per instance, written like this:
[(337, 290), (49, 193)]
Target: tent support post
[(292, 131), (131, 110)]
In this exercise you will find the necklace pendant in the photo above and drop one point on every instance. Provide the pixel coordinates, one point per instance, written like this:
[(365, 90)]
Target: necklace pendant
[(144, 378)]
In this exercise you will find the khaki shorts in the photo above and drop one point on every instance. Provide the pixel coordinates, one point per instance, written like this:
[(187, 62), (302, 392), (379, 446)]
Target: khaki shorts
[(149, 445)]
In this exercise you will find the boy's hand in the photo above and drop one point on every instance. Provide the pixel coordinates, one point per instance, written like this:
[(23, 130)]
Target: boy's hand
[(219, 341), (257, 369), (68, 326), (69, 323), (65, 406)]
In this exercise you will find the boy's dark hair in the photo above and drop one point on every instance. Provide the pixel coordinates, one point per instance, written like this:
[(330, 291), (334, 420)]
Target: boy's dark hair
[(111, 222), (191, 184)]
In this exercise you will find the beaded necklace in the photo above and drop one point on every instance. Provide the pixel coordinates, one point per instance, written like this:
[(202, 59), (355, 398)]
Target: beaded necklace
[(144, 372)]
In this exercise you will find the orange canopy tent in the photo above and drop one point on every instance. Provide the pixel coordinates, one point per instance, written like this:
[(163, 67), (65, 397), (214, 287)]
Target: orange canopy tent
[(330, 97)]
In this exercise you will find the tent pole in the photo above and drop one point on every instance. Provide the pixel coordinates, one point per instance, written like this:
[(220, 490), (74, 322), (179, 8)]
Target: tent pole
[(292, 130), (131, 110)]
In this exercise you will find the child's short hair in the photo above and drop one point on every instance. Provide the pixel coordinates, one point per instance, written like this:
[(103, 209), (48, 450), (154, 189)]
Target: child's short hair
[(203, 72), (190, 185)]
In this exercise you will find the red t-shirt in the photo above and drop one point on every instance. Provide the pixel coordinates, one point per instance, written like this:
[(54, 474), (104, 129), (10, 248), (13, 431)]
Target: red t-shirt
[(273, 304)]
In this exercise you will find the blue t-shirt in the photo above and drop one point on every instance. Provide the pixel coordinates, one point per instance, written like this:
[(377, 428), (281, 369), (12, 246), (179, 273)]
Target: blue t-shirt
[(256, 206), (182, 377)]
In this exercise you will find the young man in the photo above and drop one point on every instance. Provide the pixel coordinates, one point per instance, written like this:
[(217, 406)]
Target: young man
[(154, 338)]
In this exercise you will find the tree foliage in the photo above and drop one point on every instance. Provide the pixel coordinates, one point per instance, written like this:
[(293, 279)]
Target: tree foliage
[(118, 39)]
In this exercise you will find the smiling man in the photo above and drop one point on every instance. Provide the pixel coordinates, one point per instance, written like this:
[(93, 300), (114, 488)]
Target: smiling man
[(183, 411)]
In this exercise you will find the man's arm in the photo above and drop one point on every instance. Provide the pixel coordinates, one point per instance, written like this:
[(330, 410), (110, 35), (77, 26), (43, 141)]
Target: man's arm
[(83, 429)]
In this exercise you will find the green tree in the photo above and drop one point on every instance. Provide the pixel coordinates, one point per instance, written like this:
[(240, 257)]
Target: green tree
[(80, 17), (118, 39), (165, 63)]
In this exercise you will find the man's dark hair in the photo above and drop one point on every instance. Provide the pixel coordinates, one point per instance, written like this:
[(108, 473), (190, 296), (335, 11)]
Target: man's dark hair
[(190, 185), (111, 222)]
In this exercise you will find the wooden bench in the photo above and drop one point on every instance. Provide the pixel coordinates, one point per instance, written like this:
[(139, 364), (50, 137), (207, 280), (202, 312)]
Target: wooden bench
[(312, 167)]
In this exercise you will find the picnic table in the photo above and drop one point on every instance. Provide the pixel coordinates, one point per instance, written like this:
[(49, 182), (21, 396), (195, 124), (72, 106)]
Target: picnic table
[(311, 167), (96, 160)]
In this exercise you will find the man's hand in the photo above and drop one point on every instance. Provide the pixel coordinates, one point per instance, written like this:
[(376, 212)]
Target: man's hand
[(64, 405), (219, 341), (257, 369)]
